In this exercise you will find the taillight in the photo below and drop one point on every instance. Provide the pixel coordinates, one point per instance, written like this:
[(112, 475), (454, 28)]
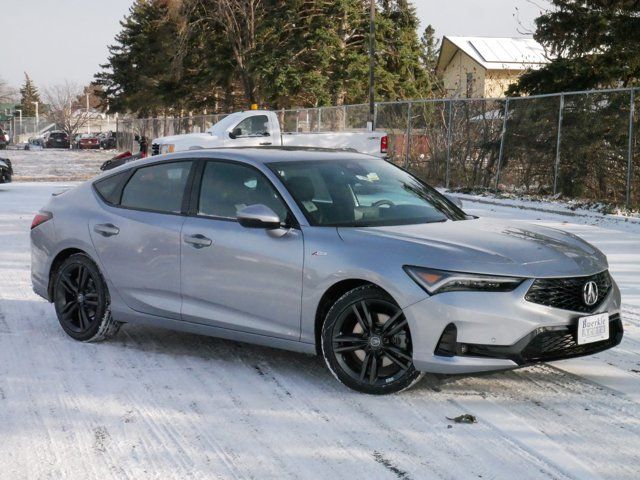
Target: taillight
[(40, 218), (384, 144)]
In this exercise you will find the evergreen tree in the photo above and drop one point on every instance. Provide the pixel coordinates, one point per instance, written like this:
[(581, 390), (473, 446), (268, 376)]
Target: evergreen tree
[(28, 96), (592, 43), (138, 74), (430, 49), (221, 54)]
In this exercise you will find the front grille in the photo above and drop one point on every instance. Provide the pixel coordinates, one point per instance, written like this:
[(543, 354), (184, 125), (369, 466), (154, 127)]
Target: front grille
[(562, 343), (567, 293), (155, 149)]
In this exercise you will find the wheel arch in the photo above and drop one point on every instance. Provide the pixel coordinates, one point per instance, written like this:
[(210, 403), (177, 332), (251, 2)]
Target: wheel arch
[(330, 296), (59, 260)]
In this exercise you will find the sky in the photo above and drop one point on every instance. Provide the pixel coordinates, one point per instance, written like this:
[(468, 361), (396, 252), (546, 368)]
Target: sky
[(58, 40)]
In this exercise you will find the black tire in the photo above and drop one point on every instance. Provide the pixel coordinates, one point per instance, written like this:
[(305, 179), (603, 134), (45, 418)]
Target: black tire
[(5, 178), (82, 302), (366, 343)]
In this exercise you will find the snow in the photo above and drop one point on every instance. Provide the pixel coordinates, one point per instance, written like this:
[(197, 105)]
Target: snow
[(54, 164), (158, 404)]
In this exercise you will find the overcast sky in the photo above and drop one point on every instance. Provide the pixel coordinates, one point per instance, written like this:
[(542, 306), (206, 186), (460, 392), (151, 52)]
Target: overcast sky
[(67, 39)]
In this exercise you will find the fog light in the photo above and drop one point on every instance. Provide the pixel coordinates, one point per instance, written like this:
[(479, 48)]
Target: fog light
[(463, 348)]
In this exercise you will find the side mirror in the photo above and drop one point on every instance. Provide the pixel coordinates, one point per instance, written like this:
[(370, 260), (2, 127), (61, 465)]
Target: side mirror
[(258, 216), (235, 133), (455, 200)]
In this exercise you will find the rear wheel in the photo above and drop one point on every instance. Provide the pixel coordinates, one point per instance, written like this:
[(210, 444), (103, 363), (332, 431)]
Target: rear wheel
[(366, 342), (82, 301)]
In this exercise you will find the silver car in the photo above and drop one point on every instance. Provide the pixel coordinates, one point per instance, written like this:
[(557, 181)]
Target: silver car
[(324, 252)]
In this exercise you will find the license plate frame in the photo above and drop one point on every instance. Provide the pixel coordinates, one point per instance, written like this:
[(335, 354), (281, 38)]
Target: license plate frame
[(593, 328)]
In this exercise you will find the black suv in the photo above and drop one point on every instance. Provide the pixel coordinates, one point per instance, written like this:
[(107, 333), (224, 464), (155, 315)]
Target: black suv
[(56, 140)]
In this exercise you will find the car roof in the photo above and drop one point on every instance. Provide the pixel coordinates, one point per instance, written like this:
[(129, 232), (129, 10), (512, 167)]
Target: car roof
[(251, 155)]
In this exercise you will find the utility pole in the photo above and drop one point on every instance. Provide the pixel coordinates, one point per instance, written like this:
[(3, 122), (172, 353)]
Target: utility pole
[(372, 63), (88, 121)]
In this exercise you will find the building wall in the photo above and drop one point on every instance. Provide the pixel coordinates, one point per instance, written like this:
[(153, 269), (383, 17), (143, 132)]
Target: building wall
[(484, 83), (456, 75), (496, 82)]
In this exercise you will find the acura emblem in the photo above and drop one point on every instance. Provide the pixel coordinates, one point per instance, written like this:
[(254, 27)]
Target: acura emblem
[(590, 293)]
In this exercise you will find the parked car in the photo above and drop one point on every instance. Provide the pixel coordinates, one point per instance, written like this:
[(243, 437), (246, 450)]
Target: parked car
[(89, 141), (6, 170), (316, 251), (258, 128), (107, 140), (56, 139), (4, 139)]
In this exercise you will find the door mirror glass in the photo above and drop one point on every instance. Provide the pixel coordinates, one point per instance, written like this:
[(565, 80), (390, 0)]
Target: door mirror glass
[(258, 216)]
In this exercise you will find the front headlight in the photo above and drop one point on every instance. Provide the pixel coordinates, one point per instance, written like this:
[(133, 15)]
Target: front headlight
[(167, 148), (439, 281)]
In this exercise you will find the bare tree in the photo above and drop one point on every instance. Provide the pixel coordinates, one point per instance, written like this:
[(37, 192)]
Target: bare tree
[(7, 93), (64, 107)]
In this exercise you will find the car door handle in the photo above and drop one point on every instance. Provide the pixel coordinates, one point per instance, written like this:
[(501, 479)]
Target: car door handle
[(265, 143), (197, 240), (106, 229)]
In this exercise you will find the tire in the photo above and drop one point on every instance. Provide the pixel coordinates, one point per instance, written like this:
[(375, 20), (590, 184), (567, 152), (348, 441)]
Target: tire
[(5, 178), (82, 302), (366, 343)]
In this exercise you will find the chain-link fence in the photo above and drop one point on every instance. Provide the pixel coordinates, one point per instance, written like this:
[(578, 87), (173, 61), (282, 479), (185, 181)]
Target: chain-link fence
[(576, 144)]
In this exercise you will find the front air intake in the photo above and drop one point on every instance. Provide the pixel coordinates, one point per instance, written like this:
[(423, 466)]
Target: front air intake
[(447, 344)]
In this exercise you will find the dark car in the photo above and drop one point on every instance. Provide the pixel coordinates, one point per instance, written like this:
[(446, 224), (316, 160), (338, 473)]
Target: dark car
[(56, 140), (6, 170), (107, 140)]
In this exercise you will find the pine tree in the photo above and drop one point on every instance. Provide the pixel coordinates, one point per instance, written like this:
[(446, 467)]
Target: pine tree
[(221, 54), (430, 49), (592, 43), (28, 97)]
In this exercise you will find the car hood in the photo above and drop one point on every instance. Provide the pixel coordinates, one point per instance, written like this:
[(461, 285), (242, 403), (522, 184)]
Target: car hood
[(484, 246)]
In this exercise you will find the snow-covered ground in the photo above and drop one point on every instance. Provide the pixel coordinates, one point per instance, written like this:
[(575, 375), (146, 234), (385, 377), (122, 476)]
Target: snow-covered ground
[(156, 404), (55, 164)]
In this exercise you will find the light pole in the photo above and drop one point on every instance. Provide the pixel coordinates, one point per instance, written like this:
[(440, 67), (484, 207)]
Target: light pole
[(37, 117), (15, 134), (372, 63)]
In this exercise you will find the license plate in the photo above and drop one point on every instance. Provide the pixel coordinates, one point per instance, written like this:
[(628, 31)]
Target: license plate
[(593, 328)]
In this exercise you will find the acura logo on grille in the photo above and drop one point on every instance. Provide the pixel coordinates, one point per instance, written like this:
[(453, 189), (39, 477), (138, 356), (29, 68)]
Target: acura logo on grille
[(590, 293)]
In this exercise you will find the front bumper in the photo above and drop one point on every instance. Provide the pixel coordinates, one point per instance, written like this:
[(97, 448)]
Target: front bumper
[(500, 330)]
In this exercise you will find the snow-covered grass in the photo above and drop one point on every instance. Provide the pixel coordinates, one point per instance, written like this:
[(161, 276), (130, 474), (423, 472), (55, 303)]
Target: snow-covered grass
[(56, 164), (157, 404)]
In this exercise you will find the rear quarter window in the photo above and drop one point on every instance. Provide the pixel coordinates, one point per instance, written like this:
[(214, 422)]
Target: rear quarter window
[(109, 188)]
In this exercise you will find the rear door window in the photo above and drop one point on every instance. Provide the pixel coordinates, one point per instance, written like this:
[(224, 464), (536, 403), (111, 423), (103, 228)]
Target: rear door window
[(159, 188)]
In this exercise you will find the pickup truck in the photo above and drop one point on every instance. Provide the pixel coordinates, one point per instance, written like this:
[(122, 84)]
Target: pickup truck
[(255, 128)]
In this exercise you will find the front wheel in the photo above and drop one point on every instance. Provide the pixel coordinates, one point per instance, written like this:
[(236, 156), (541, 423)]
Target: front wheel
[(82, 301), (366, 343)]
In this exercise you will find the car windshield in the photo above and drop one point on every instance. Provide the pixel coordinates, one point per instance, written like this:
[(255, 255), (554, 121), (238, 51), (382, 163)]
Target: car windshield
[(362, 193)]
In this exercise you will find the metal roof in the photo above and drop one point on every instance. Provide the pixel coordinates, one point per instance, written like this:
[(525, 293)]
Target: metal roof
[(494, 53)]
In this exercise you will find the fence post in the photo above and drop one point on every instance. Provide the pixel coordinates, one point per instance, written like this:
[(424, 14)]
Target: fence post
[(556, 166), (319, 118), (375, 116), (449, 134), (409, 120), (504, 134), (632, 107)]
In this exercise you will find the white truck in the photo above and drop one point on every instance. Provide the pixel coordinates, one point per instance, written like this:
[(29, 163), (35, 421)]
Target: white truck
[(256, 128)]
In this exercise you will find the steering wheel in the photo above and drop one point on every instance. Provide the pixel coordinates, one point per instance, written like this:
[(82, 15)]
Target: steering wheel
[(382, 202)]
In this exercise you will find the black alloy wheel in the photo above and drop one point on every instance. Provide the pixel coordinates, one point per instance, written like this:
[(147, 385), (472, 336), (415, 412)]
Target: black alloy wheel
[(366, 342), (81, 300)]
